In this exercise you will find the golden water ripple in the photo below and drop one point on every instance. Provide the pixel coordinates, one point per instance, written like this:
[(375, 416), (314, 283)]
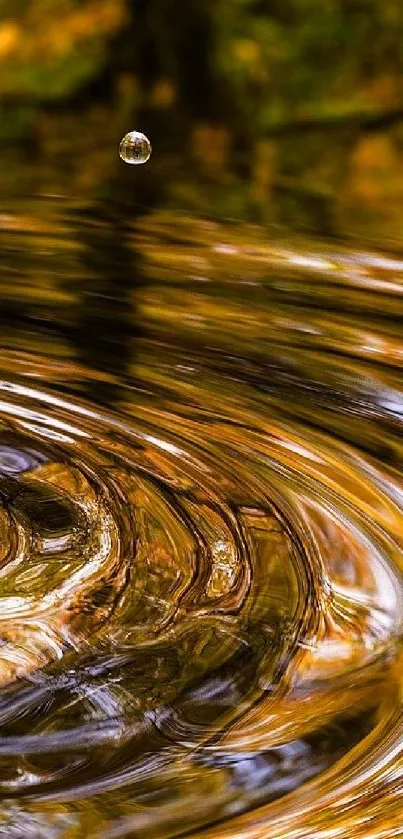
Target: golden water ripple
[(200, 580)]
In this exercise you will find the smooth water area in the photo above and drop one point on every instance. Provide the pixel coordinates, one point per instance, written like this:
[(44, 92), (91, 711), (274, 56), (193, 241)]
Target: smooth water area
[(201, 519)]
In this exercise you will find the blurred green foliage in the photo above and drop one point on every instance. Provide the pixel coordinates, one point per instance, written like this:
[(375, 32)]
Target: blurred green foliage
[(47, 49), (299, 59), (281, 110)]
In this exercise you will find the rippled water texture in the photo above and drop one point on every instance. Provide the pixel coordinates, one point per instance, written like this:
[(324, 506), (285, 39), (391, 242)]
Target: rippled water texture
[(201, 530)]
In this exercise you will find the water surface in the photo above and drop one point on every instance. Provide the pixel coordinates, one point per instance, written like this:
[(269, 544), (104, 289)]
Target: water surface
[(201, 524)]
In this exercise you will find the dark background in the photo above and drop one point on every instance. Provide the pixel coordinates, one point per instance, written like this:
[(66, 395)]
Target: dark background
[(283, 111)]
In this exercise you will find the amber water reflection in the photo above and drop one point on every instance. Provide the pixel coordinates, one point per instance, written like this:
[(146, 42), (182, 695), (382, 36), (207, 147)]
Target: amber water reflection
[(201, 529)]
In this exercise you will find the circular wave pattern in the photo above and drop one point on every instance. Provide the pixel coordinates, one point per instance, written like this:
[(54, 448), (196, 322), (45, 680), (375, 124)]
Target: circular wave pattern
[(193, 608), (200, 608)]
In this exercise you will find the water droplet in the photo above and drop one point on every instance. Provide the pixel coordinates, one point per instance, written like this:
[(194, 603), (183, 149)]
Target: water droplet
[(135, 148)]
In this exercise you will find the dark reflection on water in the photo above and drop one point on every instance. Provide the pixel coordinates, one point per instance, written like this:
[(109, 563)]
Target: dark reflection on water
[(107, 322), (201, 528)]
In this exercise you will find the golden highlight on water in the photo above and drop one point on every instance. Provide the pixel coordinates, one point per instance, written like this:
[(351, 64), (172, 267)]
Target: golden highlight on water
[(201, 535), (135, 148)]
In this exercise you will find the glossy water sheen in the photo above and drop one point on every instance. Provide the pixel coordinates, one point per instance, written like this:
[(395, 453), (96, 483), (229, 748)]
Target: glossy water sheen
[(135, 148), (201, 530)]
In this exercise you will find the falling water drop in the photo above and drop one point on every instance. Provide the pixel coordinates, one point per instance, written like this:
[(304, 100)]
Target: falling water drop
[(135, 148)]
